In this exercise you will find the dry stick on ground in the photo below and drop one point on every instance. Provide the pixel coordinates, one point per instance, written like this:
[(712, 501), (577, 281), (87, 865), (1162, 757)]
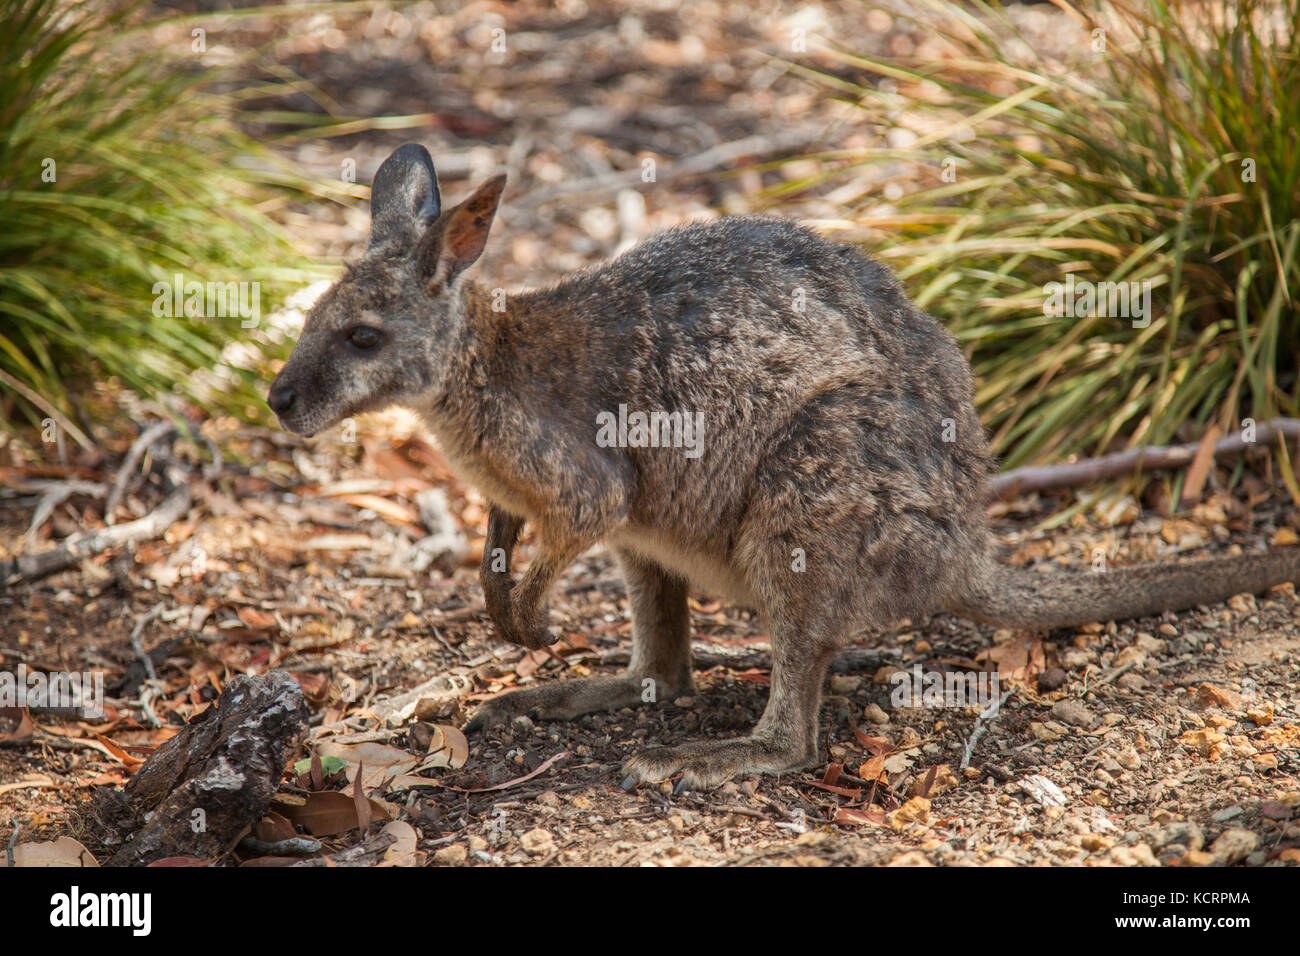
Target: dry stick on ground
[(981, 725), (55, 493), (125, 473), (1146, 457), (84, 544)]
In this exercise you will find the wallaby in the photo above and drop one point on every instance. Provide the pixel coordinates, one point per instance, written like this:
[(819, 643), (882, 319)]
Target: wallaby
[(738, 404)]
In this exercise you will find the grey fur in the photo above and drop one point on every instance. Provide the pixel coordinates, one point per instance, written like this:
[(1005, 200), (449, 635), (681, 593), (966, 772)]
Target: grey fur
[(840, 485)]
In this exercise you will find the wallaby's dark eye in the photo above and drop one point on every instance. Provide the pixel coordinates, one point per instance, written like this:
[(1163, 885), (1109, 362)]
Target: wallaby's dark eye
[(364, 337)]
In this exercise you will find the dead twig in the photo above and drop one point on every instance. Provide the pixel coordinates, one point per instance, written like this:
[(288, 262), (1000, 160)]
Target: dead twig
[(1145, 458), (57, 492), (154, 433), (85, 544), (981, 725), (13, 842)]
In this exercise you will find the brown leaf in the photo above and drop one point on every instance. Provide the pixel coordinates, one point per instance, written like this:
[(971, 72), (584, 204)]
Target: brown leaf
[(115, 750), (23, 732), (1199, 469), (447, 748), (64, 851), (179, 861), (403, 851), (359, 798), (258, 620), (849, 817), (327, 812), (1020, 658), (317, 772), (273, 828)]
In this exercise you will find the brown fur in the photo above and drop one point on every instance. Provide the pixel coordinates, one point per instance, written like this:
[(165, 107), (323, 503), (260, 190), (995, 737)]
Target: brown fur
[(840, 483)]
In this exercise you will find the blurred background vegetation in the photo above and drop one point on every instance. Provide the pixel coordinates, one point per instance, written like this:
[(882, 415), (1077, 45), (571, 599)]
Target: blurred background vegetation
[(1122, 161), (1167, 152)]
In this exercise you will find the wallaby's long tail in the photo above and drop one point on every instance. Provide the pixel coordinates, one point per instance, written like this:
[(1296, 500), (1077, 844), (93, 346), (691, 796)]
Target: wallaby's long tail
[(1017, 597)]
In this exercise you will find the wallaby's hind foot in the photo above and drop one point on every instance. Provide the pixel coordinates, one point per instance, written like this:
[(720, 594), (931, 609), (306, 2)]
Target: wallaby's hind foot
[(706, 764), (560, 700), (660, 668)]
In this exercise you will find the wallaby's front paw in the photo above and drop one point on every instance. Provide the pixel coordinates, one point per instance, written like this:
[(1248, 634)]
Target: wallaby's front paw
[(708, 764), (496, 598), (530, 626)]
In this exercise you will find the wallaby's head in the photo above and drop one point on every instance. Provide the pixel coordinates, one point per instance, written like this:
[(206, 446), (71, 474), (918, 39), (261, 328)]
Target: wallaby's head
[(385, 333)]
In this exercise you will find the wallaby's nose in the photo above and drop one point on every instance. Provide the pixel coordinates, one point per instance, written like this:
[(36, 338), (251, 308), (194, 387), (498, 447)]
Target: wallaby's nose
[(281, 399)]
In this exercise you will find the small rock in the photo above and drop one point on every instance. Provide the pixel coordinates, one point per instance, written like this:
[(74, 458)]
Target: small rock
[(1261, 715), (1073, 712), (1128, 758), (1130, 655), (454, 855), (1076, 659), (1205, 742), (876, 714), (1153, 646), (1132, 682), (845, 683), (1051, 679), (1223, 816), (1198, 858), (1233, 846), (1046, 732), (1092, 842), (537, 842), (911, 858), (1185, 833), (1138, 855)]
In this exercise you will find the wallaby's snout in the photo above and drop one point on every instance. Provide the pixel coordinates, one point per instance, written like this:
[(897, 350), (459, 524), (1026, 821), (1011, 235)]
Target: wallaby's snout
[(383, 334)]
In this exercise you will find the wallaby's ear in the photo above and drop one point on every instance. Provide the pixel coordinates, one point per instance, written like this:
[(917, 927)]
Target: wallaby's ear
[(403, 196), (466, 230)]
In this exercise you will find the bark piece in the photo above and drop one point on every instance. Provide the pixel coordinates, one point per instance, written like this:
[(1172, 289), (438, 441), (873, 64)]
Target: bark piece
[(207, 785)]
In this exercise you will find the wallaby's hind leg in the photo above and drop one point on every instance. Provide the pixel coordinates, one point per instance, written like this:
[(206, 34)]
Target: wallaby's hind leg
[(661, 654), (785, 738)]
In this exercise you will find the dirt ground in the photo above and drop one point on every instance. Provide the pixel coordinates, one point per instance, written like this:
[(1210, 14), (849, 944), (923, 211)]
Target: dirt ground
[(1172, 741)]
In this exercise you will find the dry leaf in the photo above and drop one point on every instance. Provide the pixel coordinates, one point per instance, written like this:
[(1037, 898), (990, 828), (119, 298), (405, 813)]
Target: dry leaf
[(64, 851), (381, 761), (328, 812), (403, 852)]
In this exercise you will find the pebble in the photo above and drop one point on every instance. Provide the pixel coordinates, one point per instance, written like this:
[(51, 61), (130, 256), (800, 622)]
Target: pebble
[(1233, 846), (1073, 712), (455, 855), (1051, 679), (876, 714), (537, 842)]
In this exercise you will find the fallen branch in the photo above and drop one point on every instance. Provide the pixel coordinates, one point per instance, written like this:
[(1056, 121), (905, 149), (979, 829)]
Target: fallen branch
[(57, 492), (1145, 458), (85, 544), (221, 771)]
